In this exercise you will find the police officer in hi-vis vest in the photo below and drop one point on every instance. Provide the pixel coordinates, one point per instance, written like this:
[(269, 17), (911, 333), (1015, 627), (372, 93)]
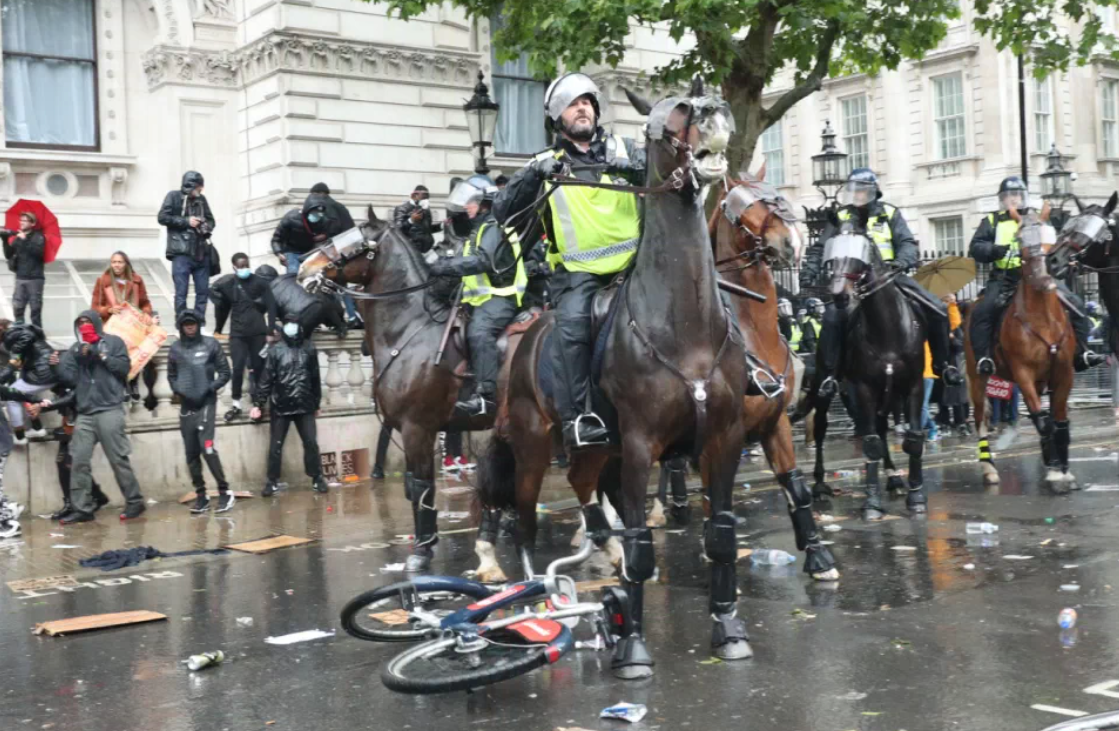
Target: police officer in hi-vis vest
[(592, 234), (996, 242), (493, 283), (887, 228)]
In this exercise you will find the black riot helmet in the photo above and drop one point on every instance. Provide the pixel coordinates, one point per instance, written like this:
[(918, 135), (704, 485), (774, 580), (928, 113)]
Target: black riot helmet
[(861, 188), (1013, 193)]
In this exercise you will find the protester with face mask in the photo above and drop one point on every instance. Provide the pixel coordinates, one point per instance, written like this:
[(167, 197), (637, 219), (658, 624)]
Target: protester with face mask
[(325, 218), (186, 214), (290, 386), (413, 219), (245, 301)]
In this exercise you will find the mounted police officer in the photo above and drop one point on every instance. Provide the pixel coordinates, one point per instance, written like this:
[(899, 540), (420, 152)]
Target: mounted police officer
[(887, 228), (996, 242), (592, 234), (810, 318), (493, 279)]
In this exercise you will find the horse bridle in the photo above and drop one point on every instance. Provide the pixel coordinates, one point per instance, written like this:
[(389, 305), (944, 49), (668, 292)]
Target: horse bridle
[(760, 251)]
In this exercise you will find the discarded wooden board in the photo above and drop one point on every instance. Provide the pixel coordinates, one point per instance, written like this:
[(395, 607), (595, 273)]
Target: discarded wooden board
[(239, 494), (46, 582), (264, 545), (73, 625), (594, 584), (392, 618), (745, 552)]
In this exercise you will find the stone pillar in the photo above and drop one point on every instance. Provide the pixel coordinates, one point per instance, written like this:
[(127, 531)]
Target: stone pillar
[(333, 380), (162, 388), (356, 376)]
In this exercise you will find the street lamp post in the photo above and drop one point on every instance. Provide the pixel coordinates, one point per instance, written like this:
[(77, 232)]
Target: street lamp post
[(829, 173), (481, 121), (1056, 182)]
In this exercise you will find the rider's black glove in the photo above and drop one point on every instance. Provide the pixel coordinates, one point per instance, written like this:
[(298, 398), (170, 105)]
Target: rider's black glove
[(441, 267), (548, 167), (1000, 251)]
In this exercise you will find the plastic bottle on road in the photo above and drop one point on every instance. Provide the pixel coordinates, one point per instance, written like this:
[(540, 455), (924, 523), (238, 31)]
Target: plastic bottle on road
[(982, 528), (1067, 618), (772, 557)]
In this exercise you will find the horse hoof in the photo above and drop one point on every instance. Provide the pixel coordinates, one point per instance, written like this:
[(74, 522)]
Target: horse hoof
[(633, 672), (1057, 485), (831, 574), (990, 474), (821, 491), (895, 484), (417, 563), (873, 514), (734, 650), (918, 508), (492, 575), (656, 517)]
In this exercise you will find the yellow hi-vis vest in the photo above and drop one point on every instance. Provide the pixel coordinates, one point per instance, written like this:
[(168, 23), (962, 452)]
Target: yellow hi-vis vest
[(817, 326), (878, 229), (1006, 234), (794, 343), (476, 288), (595, 230)]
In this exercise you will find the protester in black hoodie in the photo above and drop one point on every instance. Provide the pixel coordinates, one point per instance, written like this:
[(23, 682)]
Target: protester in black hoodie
[(25, 250), (186, 214), (244, 299), (290, 385), (28, 370), (96, 367), (325, 218), (197, 368)]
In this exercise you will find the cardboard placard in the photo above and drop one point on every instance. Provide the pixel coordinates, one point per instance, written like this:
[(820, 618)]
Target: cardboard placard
[(265, 545), (95, 621), (355, 464), (999, 389), (329, 462), (142, 336)]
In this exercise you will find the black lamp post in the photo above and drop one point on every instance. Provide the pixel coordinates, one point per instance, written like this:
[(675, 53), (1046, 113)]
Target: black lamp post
[(481, 120), (829, 174)]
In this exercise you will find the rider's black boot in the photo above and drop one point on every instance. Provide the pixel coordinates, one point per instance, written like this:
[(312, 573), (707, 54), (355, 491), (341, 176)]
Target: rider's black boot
[(479, 404), (585, 431), (985, 366)]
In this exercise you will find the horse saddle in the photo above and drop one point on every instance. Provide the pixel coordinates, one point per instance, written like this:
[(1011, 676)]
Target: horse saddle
[(522, 322)]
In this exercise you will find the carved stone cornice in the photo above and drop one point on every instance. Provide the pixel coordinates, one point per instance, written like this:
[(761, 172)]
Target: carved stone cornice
[(191, 67)]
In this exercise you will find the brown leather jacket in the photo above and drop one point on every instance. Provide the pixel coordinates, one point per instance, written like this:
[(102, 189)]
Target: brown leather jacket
[(104, 295)]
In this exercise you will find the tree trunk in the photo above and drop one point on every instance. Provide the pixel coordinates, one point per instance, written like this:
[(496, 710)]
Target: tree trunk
[(749, 119)]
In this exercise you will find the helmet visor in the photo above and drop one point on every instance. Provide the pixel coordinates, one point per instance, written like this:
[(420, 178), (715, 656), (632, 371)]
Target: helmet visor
[(858, 193), (464, 193), (1017, 199), (566, 90), (848, 246), (785, 308)]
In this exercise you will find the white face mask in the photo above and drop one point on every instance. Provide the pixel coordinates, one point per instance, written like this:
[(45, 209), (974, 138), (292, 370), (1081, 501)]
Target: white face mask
[(291, 329), (424, 204)]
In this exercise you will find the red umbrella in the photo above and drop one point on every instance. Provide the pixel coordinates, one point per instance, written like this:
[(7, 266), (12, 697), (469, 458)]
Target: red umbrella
[(48, 224)]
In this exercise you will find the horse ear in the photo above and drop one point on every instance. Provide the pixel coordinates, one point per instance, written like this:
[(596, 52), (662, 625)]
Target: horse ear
[(760, 175), (1079, 205), (372, 215), (697, 87), (640, 103), (1111, 203), (1045, 211)]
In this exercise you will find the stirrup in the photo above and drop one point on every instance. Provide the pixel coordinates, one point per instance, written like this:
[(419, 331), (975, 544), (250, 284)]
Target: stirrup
[(985, 366), (595, 419), (829, 387), (951, 376), (767, 385)]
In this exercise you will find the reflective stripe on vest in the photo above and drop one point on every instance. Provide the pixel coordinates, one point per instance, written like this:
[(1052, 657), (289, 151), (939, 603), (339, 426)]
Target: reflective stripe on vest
[(476, 288), (878, 229), (595, 230), (1006, 234)]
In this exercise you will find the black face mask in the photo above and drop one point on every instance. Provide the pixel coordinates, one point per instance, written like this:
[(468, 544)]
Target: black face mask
[(460, 223)]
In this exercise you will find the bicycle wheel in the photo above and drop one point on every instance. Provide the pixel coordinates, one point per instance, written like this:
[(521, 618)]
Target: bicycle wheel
[(381, 615), (449, 664)]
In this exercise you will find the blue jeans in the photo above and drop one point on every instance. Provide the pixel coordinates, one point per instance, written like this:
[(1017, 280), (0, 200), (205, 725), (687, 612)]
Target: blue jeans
[(926, 420), (183, 269), (1006, 411), (291, 261)]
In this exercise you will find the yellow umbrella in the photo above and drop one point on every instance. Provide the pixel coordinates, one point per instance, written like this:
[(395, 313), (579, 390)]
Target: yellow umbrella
[(946, 275)]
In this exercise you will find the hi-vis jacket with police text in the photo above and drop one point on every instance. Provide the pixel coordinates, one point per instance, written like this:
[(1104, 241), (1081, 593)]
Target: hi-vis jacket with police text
[(996, 230), (588, 229)]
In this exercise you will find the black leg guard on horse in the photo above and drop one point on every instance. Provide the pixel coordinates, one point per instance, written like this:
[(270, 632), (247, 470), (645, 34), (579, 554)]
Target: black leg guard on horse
[(1061, 440), (873, 450), (427, 528), (596, 525), (721, 546), (491, 523), (631, 658), (817, 557), (1043, 422), (914, 446)]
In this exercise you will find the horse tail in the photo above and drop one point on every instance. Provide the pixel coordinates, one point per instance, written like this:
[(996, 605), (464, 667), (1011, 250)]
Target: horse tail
[(497, 486)]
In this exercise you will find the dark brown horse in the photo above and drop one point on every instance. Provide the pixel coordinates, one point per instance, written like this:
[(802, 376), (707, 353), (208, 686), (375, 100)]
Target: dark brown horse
[(1090, 243), (1034, 349), (404, 329), (752, 228), (672, 371)]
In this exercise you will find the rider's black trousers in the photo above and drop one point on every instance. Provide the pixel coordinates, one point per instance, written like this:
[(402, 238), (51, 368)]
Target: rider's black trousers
[(986, 315), (487, 323), (573, 294)]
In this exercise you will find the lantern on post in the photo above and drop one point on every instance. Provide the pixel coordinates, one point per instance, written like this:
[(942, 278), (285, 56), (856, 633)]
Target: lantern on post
[(481, 121)]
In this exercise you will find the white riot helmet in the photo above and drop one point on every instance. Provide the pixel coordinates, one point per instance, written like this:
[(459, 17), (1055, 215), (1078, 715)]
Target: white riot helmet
[(566, 89)]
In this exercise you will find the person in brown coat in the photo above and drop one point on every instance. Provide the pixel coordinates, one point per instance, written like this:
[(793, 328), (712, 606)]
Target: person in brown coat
[(119, 284)]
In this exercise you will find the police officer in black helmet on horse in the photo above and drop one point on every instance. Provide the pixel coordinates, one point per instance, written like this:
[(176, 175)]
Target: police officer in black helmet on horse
[(996, 242), (887, 228)]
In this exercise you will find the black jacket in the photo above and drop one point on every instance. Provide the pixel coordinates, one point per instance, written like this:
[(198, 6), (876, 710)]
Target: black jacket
[(291, 236), (807, 336), (26, 254), (336, 218), (290, 378), (420, 234), (526, 185), (98, 378), (983, 248), (907, 254), (175, 214), (490, 257), (196, 368), (248, 301), (30, 346)]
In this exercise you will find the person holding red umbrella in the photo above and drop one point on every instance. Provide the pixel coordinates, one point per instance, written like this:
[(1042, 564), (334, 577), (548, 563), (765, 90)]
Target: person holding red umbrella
[(25, 251)]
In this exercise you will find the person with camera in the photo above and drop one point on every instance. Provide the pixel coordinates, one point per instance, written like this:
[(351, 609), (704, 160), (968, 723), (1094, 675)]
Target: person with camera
[(413, 218), (24, 250), (186, 214)]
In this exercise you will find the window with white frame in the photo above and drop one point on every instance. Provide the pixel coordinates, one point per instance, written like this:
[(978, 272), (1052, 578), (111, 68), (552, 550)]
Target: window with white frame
[(856, 141), (948, 116), (948, 233), (520, 126), (1109, 117), (1043, 115), (773, 149), (50, 73), (68, 291)]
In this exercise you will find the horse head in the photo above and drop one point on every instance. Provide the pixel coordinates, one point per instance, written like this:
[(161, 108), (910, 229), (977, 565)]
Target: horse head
[(1091, 225), (686, 138), (850, 254), (763, 221), (346, 262), (1035, 236)]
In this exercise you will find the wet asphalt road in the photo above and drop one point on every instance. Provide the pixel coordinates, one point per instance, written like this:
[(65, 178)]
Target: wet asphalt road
[(910, 638)]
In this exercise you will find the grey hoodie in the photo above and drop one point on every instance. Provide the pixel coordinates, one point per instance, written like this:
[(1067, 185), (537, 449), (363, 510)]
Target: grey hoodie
[(98, 379)]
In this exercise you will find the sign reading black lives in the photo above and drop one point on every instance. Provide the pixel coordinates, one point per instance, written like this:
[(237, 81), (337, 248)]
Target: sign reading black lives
[(329, 461)]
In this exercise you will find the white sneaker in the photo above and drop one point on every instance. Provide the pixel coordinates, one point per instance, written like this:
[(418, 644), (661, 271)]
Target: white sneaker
[(20, 442), (36, 433)]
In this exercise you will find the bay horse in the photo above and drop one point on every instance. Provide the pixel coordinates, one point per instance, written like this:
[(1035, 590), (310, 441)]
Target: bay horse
[(673, 374), (753, 229), (404, 327), (884, 358), (1035, 348)]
